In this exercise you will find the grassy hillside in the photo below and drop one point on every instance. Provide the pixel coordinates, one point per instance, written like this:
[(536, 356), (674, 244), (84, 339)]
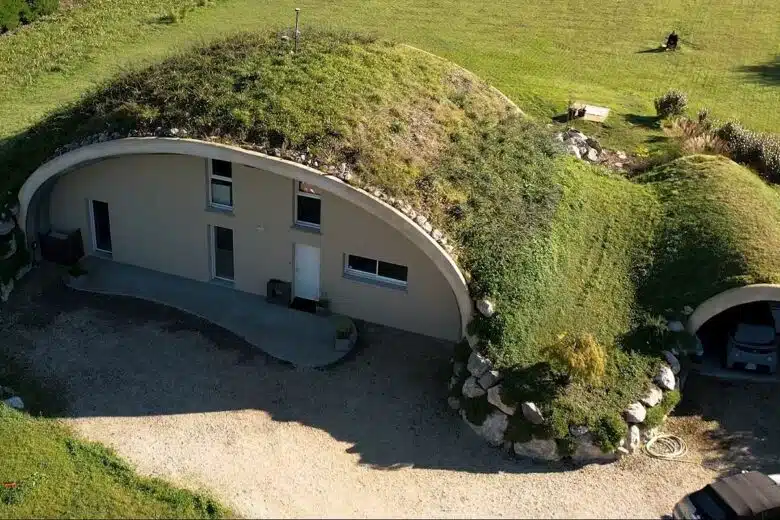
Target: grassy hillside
[(720, 229), (51, 474), (541, 54)]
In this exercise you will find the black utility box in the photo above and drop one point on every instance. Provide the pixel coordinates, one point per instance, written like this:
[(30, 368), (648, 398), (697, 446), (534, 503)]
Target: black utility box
[(279, 292), (62, 247)]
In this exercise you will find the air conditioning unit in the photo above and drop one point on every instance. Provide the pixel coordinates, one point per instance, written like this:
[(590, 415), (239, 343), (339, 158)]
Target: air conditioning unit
[(279, 292)]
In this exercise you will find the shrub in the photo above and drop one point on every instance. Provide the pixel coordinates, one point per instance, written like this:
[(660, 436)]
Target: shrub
[(608, 432), (673, 103), (566, 446), (581, 356), (759, 150), (40, 8), (656, 414), (11, 14)]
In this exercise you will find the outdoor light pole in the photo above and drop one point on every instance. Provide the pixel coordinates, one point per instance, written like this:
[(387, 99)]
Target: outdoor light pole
[(297, 15)]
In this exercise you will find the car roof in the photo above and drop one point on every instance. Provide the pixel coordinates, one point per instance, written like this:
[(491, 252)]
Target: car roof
[(746, 495)]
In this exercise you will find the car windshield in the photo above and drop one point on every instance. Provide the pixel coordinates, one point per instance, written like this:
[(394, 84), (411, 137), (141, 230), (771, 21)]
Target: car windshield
[(754, 334)]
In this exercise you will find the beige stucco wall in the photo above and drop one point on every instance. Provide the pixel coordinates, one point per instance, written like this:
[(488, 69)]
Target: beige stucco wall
[(159, 220)]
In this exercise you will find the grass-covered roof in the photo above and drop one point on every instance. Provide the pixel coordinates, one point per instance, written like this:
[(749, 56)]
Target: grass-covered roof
[(560, 247)]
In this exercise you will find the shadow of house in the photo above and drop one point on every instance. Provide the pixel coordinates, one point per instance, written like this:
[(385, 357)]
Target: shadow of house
[(765, 74), (651, 122), (141, 359)]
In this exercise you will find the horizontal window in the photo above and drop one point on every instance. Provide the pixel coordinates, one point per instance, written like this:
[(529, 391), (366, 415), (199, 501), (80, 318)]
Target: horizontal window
[(376, 270), (308, 205)]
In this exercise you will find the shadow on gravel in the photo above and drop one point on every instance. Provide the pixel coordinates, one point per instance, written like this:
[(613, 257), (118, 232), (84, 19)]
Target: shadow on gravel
[(745, 437), (112, 356)]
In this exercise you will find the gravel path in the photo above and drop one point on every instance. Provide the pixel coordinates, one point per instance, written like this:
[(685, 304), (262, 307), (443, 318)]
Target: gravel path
[(372, 437)]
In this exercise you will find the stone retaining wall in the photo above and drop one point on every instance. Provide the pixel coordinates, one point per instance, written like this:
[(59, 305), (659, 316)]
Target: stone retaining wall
[(13, 253), (476, 381)]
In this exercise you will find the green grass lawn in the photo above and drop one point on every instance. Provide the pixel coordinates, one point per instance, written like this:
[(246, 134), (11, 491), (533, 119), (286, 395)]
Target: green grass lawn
[(47, 473), (540, 53)]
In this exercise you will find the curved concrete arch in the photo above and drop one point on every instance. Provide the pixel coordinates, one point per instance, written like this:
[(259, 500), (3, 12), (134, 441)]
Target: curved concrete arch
[(44, 177), (731, 298)]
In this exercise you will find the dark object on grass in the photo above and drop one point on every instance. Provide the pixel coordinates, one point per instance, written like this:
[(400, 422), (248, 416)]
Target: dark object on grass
[(671, 41)]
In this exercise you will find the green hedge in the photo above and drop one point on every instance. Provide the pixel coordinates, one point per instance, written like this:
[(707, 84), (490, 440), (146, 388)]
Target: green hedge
[(14, 13)]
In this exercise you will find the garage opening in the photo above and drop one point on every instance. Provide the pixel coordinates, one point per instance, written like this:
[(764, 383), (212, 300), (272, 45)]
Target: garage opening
[(742, 340)]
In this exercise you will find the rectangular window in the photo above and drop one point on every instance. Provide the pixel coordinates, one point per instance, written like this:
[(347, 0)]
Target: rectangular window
[(308, 205), (376, 270), (223, 253), (221, 184)]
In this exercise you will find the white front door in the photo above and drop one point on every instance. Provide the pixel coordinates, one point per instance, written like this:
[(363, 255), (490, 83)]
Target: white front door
[(307, 272)]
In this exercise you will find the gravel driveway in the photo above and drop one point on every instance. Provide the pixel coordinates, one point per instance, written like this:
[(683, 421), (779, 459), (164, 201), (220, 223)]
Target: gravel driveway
[(371, 437)]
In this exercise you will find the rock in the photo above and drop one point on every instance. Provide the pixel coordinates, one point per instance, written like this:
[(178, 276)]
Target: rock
[(634, 439), (15, 402), (594, 144), (652, 397), (453, 382), (573, 133), (674, 363), (537, 449), (437, 235), (489, 379), (593, 155), (621, 155), (635, 413), (478, 364), (471, 388), (578, 431), (421, 220), (588, 452), (532, 413), (494, 398), (458, 367), (675, 326), (584, 149), (486, 308), (665, 378), (573, 150), (5, 290), (559, 137), (473, 341), (687, 310), (649, 434), (454, 402), (618, 165), (492, 430)]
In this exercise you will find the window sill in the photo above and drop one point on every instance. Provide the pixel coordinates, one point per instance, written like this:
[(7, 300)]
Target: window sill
[(377, 283), (307, 229), (103, 254), (221, 210), (223, 282)]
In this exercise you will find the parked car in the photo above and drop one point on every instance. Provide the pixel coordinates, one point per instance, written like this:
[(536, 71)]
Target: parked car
[(752, 345), (749, 495)]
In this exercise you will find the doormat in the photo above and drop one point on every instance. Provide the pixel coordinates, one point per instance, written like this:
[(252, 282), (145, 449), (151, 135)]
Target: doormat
[(302, 304)]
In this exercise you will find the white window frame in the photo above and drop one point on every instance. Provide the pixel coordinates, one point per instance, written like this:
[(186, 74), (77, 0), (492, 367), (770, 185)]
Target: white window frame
[(299, 193), (212, 176), (383, 280), (213, 236)]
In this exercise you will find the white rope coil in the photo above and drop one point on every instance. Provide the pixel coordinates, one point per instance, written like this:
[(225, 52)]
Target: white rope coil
[(667, 447)]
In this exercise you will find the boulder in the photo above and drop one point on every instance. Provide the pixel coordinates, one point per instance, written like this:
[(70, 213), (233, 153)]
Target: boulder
[(594, 144), (15, 402), (478, 364), (486, 308), (471, 389), (494, 398), (665, 378), (635, 413), (453, 382), (454, 402), (559, 137), (473, 341), (652, 397), (537, 449), (621, 155), (494, 427), (674, 363), (675, 326), (592, 155), (489, 379), (579, 431), (574, 150), (588, 452), (634, 439), (532, 413)]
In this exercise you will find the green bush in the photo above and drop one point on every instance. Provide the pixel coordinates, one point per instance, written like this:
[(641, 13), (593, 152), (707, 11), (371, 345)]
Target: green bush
[(43, 7), (16, 12), (608, 432), (656, 414), (566, 446), (581, 356), (761, 151), (673, 103)]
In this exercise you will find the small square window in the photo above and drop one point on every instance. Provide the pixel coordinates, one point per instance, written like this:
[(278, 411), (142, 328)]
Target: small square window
[(308, 206), (222, 193)]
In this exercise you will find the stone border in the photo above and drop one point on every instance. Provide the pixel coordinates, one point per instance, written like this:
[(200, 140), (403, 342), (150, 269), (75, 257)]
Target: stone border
[(477, 379), (336, 179)]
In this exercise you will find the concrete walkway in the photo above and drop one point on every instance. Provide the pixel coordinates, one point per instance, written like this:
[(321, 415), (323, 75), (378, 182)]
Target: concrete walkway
[(301, 338)]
